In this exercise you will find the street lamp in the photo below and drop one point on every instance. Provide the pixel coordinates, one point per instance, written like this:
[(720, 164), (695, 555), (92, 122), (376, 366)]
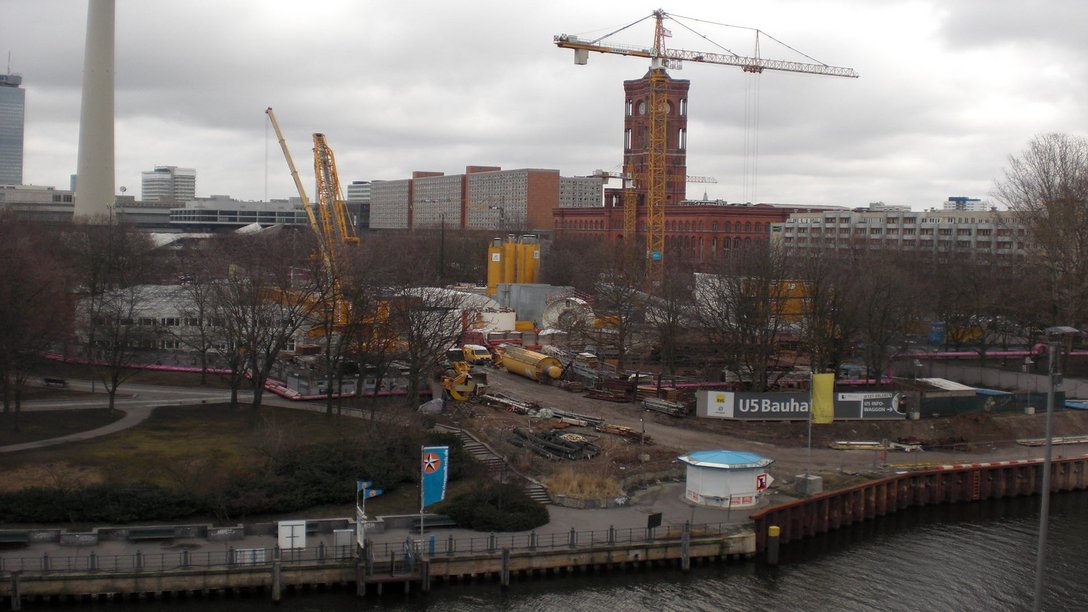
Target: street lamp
[(1052, 333)]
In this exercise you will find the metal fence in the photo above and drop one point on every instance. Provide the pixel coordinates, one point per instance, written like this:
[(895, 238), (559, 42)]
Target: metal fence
[(435, 546), (382, 557), (140, 561)]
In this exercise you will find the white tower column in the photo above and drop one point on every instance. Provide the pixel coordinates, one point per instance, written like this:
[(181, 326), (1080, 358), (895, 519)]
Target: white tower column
[(94, 196)]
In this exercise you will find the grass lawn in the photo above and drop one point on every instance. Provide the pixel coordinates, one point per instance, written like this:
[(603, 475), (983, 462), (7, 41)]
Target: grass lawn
[(191, 447), (33, 426), (176, 446)]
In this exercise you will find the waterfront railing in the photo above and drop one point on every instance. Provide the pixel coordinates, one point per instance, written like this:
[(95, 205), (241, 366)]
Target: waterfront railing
[(387, 555)]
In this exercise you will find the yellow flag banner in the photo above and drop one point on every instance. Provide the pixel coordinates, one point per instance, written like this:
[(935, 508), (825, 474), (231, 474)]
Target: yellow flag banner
[(823, 398)]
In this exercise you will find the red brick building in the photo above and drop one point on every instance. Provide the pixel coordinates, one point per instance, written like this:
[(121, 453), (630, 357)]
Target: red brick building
[(695, 231)]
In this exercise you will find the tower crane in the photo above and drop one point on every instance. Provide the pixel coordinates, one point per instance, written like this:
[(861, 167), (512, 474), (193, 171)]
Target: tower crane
[(329, 218), (662, 58)]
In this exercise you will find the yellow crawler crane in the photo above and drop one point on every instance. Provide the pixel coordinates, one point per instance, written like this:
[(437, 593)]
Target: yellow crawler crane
[(329, 218)]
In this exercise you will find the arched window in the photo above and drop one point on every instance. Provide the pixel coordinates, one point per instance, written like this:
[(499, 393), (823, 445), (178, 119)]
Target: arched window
[(747, 226)]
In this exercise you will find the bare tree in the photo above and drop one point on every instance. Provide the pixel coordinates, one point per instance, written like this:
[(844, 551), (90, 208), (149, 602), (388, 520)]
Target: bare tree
[(1046, 188), (34, 314), (196, 294), (267, 296), (740, 306), (112, 264), (428, 321), (887, 310), (829, 315), (619, 301), (671, 314)]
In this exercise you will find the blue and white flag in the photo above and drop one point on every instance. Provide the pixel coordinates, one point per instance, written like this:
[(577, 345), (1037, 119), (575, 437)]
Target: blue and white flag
[(361, 485), (434, 474)]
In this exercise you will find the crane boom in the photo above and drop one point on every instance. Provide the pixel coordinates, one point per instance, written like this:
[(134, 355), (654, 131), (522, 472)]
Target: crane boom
[(291, 166), (749, 64)]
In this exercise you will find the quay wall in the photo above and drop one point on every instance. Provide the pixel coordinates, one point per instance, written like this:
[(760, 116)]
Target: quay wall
[(943, 484)]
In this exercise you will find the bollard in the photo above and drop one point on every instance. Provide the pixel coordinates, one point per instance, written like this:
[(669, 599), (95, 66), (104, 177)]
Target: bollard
[(611, 535), (139, 560), (185, 559), (276, 581), (573, 538), (45, 562), (685, 551), (505, 573), (431, 545), (425, 575), (773, 539), (321, 552), (92, 561), (491, 543), (532, 540), (16, 597), (360, 577), (449, 546)]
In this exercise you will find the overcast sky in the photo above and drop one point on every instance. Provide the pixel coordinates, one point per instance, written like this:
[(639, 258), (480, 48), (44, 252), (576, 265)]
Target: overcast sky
[(947, 90)]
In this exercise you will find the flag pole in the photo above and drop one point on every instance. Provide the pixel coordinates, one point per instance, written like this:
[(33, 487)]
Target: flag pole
[(421, 493), (811, 407)]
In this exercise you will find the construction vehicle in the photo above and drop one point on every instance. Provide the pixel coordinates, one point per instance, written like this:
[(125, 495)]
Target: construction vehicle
[(461, 381), (477, 354), (653, 182)]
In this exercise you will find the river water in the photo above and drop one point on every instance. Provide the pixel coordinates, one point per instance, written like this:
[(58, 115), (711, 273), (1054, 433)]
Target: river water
[(963, 557)]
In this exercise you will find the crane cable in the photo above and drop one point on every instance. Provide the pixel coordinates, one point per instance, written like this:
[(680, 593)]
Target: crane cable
[(751, 137)]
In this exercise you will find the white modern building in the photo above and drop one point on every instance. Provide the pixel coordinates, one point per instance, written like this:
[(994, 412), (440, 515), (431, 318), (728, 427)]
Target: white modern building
[(358, 191), (168, 183), (966, 203), (224, 212)]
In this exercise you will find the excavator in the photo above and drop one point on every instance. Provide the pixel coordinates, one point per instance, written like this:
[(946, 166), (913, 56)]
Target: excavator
[(461, 381)]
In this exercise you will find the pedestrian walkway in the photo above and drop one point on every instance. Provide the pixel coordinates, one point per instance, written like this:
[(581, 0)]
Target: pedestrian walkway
[(630, 519)]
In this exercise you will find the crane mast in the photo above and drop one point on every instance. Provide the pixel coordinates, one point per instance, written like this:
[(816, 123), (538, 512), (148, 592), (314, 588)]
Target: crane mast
[(654, 181), (329, 218)]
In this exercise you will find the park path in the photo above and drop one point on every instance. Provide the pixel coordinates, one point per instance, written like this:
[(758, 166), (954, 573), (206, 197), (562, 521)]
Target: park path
[(137, 402)]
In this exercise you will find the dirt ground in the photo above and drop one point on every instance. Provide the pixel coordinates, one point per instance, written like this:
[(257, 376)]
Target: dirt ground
[(972, 437)]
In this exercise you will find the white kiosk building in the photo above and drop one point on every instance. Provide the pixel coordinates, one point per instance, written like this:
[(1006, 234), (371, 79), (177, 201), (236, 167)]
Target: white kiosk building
[(725, 479)]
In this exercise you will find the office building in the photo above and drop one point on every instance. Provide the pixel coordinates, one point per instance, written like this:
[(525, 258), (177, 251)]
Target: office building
[(357, 200), (483, 198), (947, 235), (966, 203), (168, 183), (220, 212), (12, 122)]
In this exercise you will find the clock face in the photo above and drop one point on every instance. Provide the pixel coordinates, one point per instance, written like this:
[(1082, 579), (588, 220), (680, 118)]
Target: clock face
[(642, 108)]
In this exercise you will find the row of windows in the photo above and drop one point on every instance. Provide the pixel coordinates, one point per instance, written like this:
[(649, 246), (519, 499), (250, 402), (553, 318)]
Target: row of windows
[(747, 227), (910, 243), (906, 231)]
